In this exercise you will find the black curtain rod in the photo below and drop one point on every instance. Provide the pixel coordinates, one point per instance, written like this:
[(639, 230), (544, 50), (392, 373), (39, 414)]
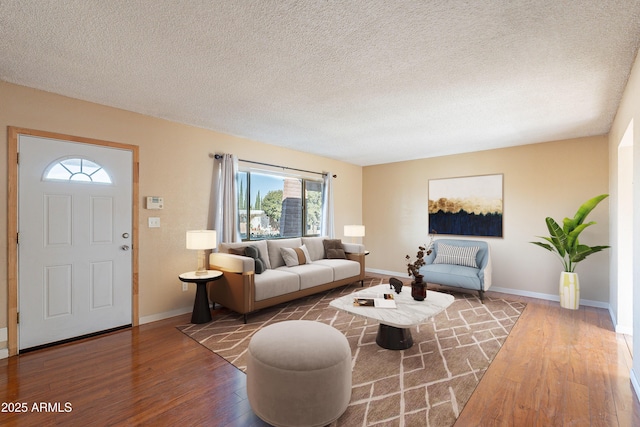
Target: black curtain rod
[(218, 157)]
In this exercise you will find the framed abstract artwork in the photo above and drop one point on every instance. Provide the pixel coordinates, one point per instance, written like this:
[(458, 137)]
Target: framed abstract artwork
[(467, 206)]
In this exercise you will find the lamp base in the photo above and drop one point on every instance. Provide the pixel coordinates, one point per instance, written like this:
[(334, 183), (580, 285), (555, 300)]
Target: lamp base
[(202, 270)]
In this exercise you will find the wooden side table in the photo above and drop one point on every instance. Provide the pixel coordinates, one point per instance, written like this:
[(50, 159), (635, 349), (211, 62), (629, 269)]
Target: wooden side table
[(201, 312)]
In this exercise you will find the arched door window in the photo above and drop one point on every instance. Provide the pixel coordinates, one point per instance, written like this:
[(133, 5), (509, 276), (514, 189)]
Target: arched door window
[(77, 170)]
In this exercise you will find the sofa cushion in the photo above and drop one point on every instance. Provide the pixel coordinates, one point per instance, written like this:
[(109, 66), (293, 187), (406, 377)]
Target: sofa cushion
[(295, 256), (315, 246), (342, 268), (275, 257), (333, 249), (457, 255), (260, 244), (311, 275), (452, 275), (273, 283)]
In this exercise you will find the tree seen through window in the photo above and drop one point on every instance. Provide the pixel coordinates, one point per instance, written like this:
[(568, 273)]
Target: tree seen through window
[(275, 206)]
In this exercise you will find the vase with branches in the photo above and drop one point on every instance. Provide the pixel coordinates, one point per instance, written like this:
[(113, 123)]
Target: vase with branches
[(418, 287)]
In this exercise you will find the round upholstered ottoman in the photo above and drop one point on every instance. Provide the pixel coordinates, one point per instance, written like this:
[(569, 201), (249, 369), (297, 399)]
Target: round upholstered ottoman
[(299, 373)]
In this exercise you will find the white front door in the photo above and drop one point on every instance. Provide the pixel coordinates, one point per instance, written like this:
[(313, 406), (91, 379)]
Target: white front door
[(74, 250)]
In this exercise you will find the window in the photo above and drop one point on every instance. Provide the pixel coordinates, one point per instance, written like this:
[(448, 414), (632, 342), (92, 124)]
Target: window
[(78, 170), (272, 206)]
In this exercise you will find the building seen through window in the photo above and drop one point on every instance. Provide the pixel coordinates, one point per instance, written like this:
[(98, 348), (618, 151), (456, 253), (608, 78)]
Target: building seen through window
[(272, 206)]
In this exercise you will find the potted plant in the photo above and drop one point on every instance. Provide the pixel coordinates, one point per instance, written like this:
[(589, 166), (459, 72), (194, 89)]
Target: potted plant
[(563, 242)]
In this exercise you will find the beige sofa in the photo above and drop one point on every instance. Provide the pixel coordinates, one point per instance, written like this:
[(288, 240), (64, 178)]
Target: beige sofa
[(244, 291)]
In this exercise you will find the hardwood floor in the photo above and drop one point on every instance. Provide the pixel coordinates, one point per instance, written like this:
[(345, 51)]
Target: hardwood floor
[(557, 368), (148, 375)]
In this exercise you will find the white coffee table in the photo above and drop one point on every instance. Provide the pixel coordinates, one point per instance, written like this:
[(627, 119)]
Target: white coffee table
[(394, 331)]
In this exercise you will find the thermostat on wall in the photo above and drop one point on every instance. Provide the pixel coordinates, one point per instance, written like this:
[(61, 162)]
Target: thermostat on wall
[(155, 202)]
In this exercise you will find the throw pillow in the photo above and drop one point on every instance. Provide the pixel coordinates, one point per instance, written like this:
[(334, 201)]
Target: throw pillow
[(333, 249), (254, 252), (457, 255), (237, 251), (295, 256)]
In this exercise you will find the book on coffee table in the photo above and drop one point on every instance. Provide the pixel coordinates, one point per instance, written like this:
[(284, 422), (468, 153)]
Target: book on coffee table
[(374, 300)]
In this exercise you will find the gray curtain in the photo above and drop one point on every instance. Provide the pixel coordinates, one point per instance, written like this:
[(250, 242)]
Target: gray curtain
[(326, 228), (225, 199)]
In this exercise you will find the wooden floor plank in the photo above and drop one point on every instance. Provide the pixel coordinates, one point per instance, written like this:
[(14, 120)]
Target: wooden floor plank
[(576, 411), (601, 399), (557, 367), (571, 369)]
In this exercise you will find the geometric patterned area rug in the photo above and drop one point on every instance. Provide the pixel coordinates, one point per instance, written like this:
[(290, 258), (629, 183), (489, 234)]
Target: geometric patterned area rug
[(426, 385)]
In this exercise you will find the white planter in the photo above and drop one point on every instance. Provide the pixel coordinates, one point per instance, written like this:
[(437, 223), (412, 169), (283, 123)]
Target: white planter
[(569, 290)]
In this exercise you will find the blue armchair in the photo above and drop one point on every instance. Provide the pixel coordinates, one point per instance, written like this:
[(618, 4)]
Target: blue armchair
[(462, 264)]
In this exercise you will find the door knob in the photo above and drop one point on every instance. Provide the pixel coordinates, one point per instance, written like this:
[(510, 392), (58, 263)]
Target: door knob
[(124, 247)]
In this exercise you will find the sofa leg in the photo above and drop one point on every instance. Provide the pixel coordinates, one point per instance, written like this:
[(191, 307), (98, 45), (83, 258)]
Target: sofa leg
[(481, 292), (244, 316)]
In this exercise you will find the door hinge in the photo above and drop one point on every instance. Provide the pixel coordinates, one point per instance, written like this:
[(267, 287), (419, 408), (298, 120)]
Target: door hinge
[(18, 317), (17, 238), (18, 158)]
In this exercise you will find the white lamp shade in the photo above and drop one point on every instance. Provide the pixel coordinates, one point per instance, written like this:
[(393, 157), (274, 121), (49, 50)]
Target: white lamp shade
[(201, 239), (354, 230)]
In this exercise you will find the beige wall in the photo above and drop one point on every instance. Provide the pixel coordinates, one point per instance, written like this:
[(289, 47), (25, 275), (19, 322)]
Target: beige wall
[(627, 118), (391, 199), (174, 164), (540, 180)]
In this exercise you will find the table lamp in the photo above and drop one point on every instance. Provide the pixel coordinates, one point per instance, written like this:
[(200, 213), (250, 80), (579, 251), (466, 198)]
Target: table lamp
[(201, 240), (354, 231)]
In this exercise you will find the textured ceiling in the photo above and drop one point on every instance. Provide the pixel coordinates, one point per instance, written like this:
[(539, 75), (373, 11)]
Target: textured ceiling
[(366, 82)]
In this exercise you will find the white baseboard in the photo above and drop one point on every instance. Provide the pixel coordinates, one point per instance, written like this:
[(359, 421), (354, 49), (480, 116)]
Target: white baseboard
[(614, 320), (4, 352), (623, 330), (634, 382), (165, 315), (627, 330), (548, 297), (404, 275)]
